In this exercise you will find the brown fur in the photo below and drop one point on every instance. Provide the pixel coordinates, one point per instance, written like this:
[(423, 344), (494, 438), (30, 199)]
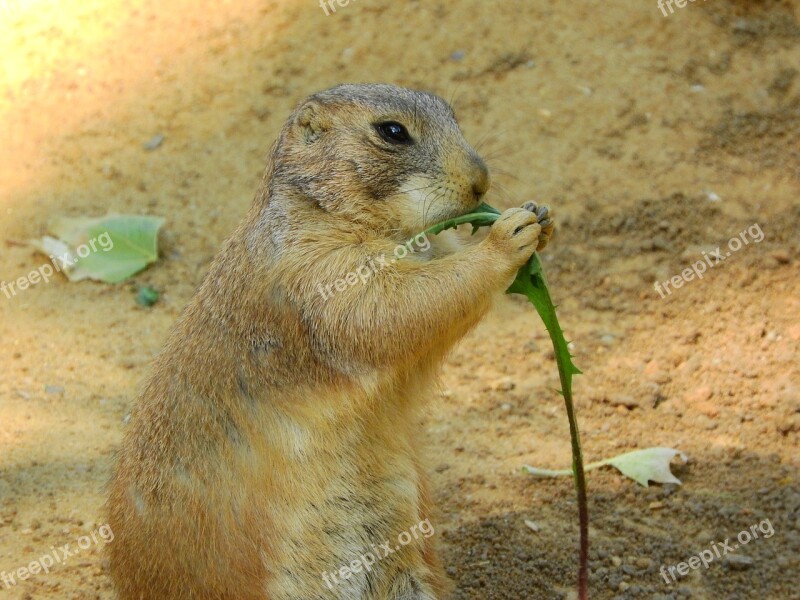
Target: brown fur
[(275, 437)]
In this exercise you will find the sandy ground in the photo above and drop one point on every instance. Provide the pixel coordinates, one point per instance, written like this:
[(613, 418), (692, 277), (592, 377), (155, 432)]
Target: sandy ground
[(653, 138)]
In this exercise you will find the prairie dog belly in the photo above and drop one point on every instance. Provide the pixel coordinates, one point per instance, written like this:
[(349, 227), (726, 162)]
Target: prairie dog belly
[(328, 473)]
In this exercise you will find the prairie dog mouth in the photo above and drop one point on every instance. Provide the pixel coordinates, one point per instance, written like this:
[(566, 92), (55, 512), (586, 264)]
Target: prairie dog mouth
[(423, 202)]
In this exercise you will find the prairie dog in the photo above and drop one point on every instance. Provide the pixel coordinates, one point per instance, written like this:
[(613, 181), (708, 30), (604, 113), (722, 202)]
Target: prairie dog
[(274, 441)]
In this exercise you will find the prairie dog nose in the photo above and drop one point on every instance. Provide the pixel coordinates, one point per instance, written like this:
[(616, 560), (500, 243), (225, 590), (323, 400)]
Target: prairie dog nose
[(480, 175)]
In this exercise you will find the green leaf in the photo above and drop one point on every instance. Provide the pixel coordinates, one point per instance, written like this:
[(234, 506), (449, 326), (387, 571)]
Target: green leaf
[(530, 282), (108, 249), (477, 220)]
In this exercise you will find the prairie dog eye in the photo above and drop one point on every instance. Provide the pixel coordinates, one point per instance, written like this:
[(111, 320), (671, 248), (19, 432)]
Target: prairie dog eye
[(393, 132)]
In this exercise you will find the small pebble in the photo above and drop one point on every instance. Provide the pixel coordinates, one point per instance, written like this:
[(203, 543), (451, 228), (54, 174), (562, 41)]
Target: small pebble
[(790, 424), (698, 394), (738, 562), (628, 402), (532, 525), (705, 422), (744, 26), (154, 142), (656, 395), (54, 389), (708, 409), (504, 385), (782, 256), (661, 377)]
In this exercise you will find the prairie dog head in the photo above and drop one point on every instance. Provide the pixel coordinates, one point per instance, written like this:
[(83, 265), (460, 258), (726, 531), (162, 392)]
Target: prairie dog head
[(392, 158)]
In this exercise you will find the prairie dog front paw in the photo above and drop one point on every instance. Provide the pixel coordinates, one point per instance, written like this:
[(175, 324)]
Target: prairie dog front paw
[(545, 221), (515, 236)]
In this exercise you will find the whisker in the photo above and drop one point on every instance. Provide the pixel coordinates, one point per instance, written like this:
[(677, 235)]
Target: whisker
[(504, 173), (501, 152), (493, 136), (502, 192), (453, 101), (426, 210)]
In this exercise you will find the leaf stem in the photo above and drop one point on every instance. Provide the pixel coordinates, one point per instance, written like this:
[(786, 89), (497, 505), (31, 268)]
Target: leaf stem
[(531, 283), (537, 472)]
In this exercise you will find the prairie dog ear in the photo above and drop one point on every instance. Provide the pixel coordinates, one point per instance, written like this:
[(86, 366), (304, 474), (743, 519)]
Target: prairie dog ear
[(312, 122)]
